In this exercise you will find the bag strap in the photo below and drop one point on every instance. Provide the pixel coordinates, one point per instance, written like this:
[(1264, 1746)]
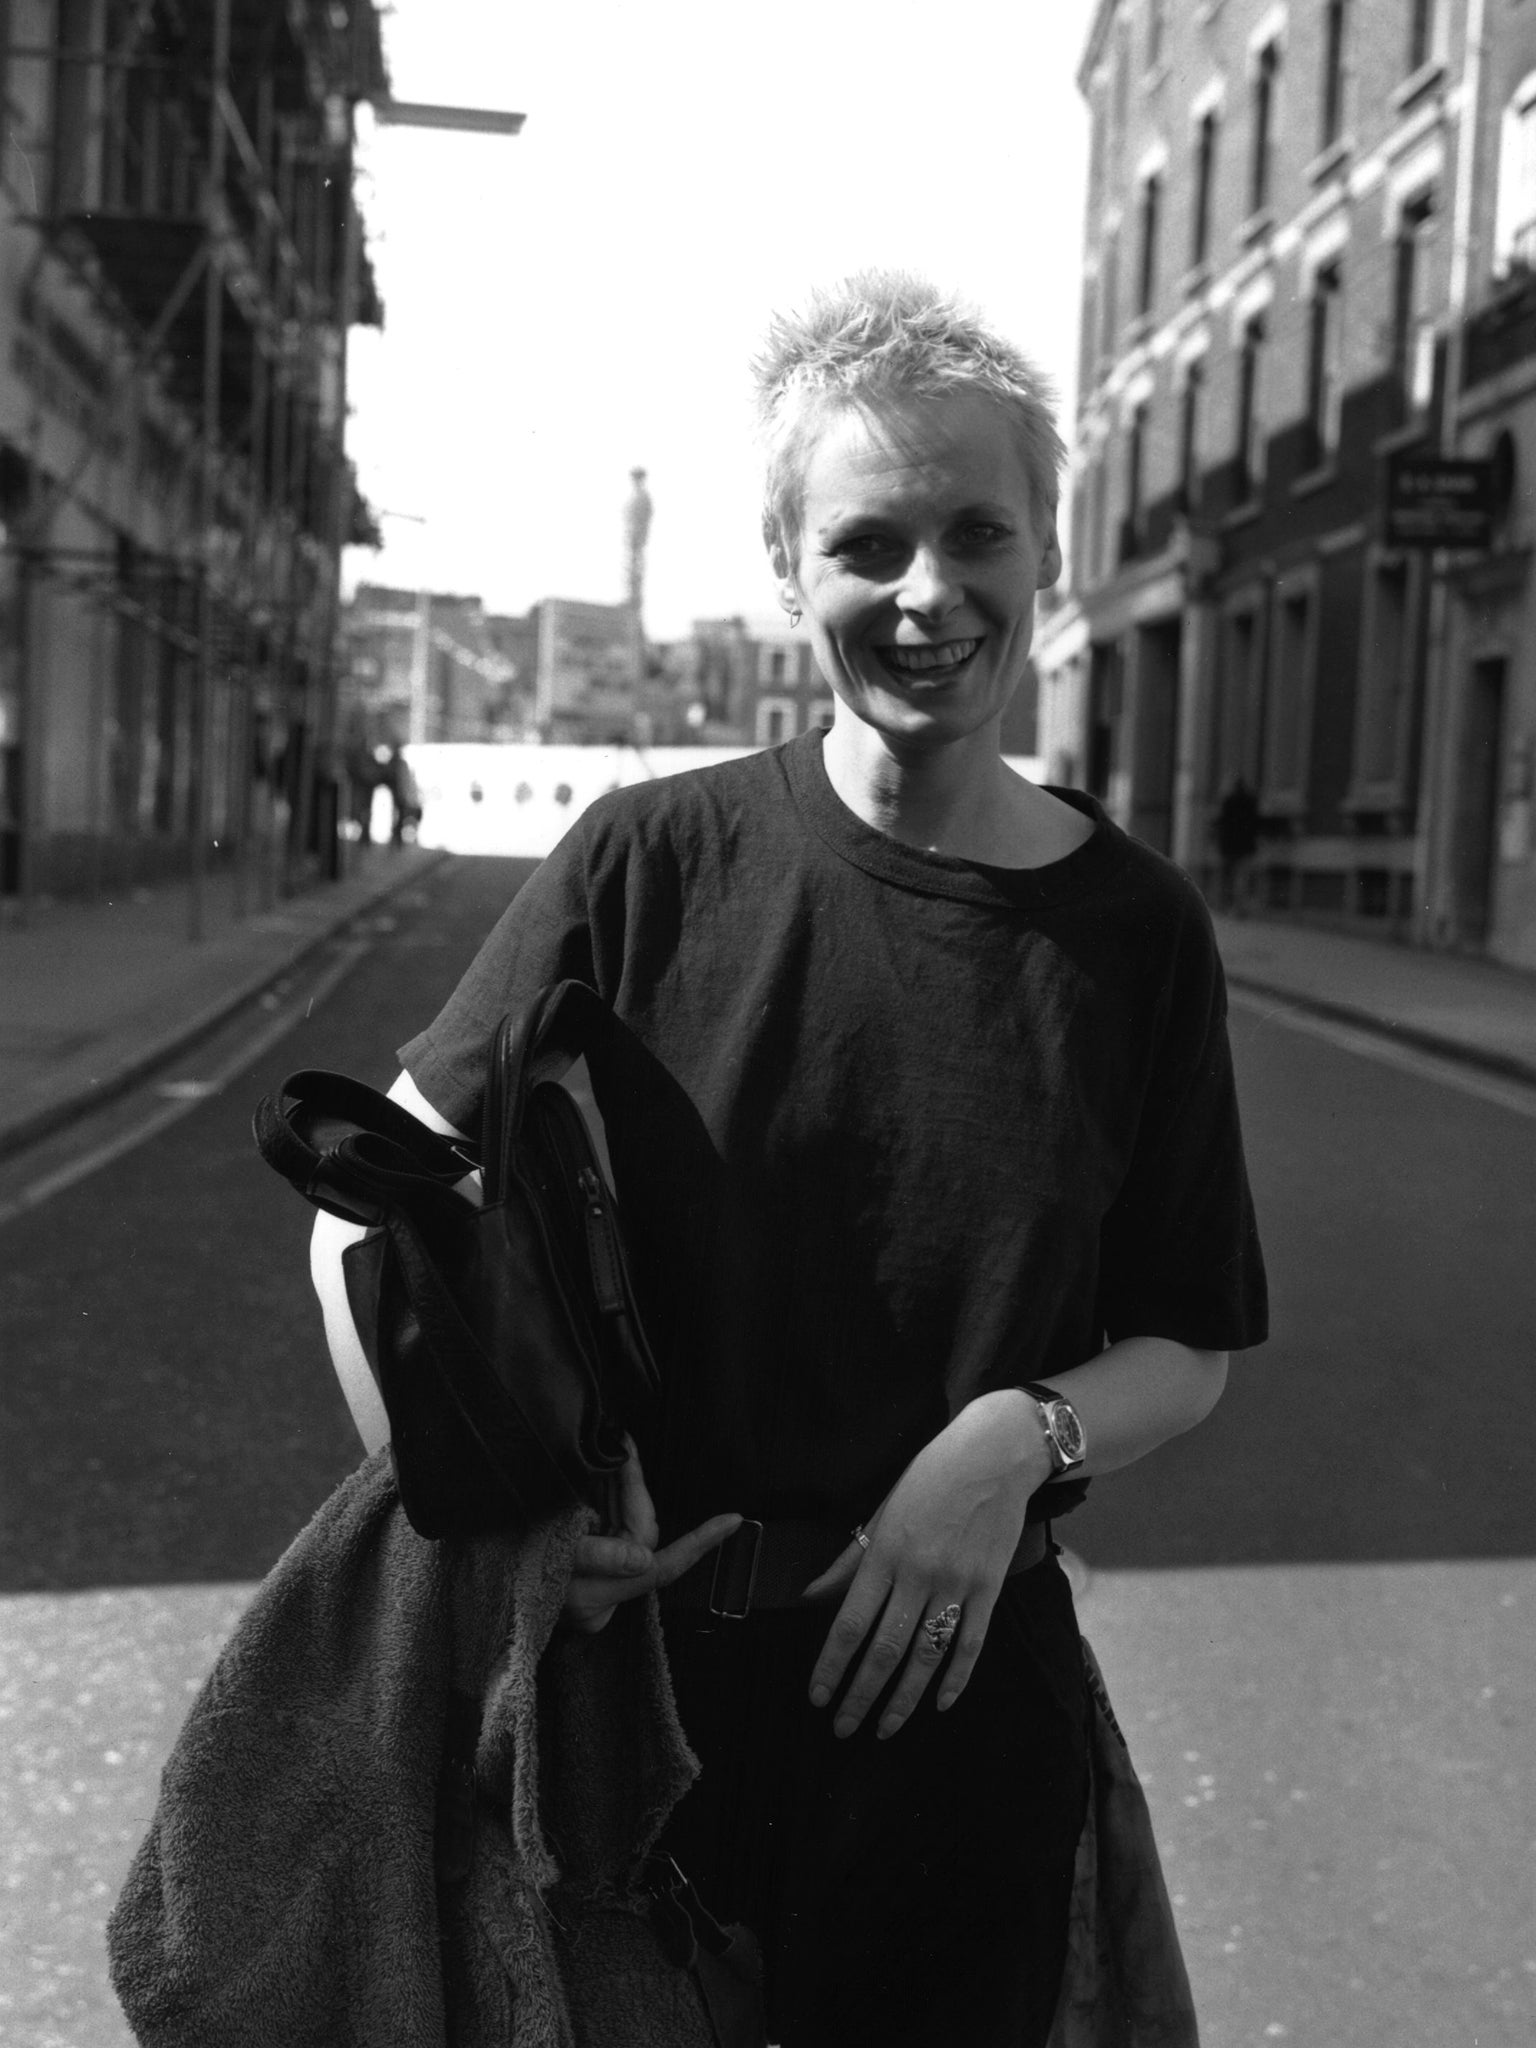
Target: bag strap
[(349, 1149), (568, 1021)]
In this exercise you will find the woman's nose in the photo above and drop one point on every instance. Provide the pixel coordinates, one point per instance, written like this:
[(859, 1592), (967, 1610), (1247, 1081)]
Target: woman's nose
[(930, 586)]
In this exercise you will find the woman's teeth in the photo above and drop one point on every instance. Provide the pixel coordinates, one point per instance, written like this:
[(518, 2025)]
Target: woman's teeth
[(916, 661)]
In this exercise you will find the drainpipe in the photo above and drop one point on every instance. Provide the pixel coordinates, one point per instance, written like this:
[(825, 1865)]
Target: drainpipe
[(1437, 791)]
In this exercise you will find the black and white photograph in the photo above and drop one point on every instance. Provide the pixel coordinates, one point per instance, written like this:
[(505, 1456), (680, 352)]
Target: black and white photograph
[(768, 1024)]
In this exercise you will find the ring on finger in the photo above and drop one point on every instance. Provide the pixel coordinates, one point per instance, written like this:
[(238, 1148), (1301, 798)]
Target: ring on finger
[(940, 1628)]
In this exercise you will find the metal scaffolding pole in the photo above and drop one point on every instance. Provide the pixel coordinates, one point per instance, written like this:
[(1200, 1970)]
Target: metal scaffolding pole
[(208, 476)]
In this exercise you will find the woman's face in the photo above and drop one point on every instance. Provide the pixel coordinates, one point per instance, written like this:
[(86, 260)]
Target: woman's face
[(920, 556)]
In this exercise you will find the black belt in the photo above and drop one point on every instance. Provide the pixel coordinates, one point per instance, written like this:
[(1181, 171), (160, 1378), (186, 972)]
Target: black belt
[(770, 1564)]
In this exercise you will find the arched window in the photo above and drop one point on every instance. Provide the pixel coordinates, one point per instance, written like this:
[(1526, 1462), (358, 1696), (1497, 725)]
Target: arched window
[(1514, 235)]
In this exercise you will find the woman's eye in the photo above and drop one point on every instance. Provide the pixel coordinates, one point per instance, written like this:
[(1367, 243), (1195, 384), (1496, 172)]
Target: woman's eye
[(862, 547), (983, 533)]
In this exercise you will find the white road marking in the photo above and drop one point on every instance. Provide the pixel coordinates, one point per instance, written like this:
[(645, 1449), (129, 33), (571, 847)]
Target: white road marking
[(1387, 1052), (177, 1098)]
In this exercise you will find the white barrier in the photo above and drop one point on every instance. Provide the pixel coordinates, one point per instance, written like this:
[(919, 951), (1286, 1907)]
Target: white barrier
[(519, 800)]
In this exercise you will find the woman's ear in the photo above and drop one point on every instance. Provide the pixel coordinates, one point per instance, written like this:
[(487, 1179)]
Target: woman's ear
[(783, 569), (1050, 559)]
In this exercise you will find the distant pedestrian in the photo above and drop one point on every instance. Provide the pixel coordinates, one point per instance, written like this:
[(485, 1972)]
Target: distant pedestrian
[(404, 794), (938, 1207), (1237, 840)]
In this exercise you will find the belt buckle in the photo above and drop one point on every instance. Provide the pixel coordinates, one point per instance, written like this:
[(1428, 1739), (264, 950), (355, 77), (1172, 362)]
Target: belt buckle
[(726, 1556)]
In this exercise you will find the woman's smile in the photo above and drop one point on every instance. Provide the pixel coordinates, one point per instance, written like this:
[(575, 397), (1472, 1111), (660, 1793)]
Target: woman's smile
[(929, 664)]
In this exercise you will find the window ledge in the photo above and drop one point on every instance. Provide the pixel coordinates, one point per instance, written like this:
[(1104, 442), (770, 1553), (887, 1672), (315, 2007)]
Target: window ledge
[(1139, 330), (1242, 515), (1195, 279), (1412, 434), (1257, 227), (1417, 84), (1329, 161), (1315, 479), (1155, 74)]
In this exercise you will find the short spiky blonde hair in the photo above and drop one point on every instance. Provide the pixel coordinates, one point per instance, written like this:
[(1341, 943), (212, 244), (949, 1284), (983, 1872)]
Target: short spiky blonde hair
[(877, 335)]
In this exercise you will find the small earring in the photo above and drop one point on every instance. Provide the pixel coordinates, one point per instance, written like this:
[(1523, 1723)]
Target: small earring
[(794, 617)]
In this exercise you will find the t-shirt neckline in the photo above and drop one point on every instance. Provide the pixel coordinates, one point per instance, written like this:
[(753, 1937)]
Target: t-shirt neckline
[(1085, 868)]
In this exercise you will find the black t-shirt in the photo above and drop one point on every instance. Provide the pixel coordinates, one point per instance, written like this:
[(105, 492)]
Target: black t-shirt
[(907, 1129)]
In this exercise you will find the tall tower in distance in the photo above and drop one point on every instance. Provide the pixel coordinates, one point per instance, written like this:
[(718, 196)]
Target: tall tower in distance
[(637, 528)]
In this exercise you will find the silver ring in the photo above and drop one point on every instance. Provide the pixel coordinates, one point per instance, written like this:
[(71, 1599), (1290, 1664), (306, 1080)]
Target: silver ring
[(860, 1538), (940, 1628)]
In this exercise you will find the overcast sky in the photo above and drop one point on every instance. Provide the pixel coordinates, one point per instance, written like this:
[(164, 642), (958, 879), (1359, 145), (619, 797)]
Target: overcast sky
[(585, 297)]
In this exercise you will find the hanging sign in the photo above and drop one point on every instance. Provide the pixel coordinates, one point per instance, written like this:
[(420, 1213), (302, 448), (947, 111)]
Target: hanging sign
[(1439, 501)]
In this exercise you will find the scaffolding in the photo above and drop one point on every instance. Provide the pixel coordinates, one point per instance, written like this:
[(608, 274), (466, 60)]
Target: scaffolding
[(190, 164)]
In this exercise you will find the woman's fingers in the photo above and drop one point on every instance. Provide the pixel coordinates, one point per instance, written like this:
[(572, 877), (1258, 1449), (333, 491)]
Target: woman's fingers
[(637, 1510), (879, 1633), (850, 1638), (838, 1574), (607, 1570), (949, 1662), (683, 1554), (610, 1557)]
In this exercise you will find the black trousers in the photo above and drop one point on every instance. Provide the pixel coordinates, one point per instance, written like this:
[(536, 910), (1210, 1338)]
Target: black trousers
[(911, 1893)]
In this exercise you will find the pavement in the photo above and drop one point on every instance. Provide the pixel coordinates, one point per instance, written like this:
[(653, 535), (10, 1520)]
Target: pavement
[(95, 997)]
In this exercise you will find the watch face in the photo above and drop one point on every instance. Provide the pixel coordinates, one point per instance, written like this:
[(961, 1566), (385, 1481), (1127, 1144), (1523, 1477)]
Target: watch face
[(1067, 1430)]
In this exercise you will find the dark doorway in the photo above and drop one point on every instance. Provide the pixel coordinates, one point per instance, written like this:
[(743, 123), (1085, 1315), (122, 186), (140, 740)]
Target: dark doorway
[(1104, 699), (1158, 650), (1475, 847)]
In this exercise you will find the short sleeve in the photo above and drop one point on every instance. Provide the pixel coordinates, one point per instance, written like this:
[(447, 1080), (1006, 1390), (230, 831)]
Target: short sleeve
[(542, 936), (1179, 1247)]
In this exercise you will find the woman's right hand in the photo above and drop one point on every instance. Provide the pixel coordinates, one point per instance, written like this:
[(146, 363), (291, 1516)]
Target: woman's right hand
[(625, 1563)]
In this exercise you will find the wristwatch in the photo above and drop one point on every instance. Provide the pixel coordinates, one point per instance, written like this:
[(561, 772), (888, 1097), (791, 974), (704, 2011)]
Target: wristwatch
[(1065, 1437)]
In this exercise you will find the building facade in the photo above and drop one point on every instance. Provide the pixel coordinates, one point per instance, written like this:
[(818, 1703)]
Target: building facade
[(751, 682), (429, 666), (180, 262), (1292, 234)]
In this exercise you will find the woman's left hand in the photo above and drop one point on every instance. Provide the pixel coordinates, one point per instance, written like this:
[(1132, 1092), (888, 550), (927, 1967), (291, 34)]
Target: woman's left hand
[(945, 1534)]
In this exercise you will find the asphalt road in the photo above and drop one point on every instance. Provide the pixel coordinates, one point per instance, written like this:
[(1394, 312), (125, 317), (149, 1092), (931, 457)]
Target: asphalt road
[(1315, 1612), (167, 1414)]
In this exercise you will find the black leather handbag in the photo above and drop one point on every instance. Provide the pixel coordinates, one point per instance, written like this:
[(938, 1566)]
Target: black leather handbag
[(504, 1337)]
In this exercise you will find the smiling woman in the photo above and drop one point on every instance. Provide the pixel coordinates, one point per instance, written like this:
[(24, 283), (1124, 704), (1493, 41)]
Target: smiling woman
[(911, 517), (937, 1202)]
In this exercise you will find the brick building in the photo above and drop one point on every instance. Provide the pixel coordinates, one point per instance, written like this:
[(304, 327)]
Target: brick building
[(1290, 216)]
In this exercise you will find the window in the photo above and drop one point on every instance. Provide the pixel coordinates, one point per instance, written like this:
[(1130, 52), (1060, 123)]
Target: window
[(1386, 661), (1334, 24), (1236, 699), (1324, 326), (1515, 220), (1189, 437), (1266, 86), (1109, 294), (1421, 32), (1121, 87), (1413, 327), (1290, 694), (1250, 365), (1205, 175), (1157, 22), (71, 107), (1135, 468), (1151, 208), (775, 720)]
